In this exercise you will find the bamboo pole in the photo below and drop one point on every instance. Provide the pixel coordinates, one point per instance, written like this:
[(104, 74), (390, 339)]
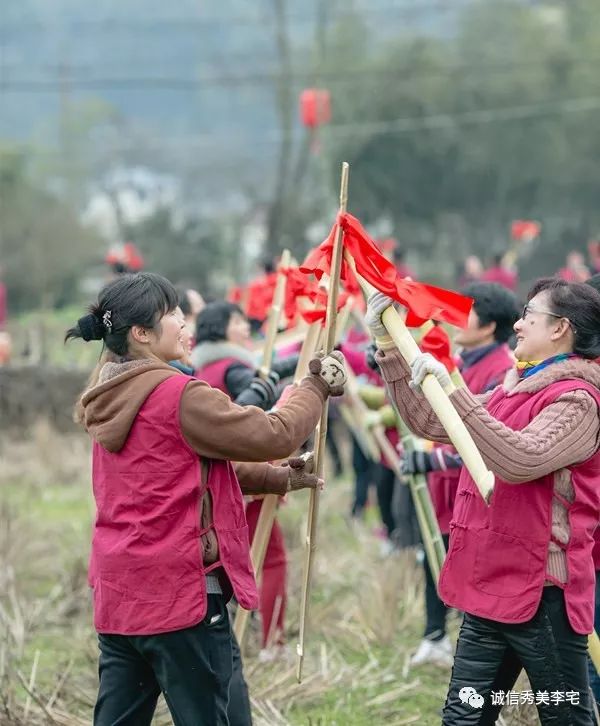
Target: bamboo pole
[(433, 541), (268, 509), (428, 524), (436, 395), (313, 513), (269, 503)]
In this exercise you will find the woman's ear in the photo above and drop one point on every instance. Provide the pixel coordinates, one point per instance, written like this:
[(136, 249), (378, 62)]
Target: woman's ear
[(562, 329), (139, 334)]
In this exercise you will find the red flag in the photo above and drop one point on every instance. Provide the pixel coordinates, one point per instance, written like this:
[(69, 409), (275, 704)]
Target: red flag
[(299, 286), (437, 342), (260, 296), (423, 302), (525, 230)]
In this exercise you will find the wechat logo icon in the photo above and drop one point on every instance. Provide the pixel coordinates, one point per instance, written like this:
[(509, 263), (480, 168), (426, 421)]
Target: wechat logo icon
[(469, 695)]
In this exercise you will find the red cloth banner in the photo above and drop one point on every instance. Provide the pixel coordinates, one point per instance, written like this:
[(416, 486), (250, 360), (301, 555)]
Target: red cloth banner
[(423, 302)]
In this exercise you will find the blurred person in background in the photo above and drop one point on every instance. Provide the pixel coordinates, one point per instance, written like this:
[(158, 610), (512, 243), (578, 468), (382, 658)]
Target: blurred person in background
[(575, 269), (501, 273)]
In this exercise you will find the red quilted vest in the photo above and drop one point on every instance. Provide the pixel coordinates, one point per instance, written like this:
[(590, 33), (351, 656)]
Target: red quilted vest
[(146, 566), (488, 372), (496, 564), (214, 373)]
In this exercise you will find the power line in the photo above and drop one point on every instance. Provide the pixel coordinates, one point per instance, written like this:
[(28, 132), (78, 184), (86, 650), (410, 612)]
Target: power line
[(266, 18), (397, 126), (178, 83)]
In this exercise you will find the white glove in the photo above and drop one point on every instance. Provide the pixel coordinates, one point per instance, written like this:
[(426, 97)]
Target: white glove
[(377, 303), (423, 365)]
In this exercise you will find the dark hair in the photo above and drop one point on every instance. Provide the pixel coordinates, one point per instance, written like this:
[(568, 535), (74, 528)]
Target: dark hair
[(183, 299), (268, 264), (493, 303), (594, 281), (580, 304), (132, 299), (212, 322)]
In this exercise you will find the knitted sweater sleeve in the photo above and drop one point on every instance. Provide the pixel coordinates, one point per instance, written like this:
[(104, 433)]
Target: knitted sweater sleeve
[(564, 433), (412, 406)]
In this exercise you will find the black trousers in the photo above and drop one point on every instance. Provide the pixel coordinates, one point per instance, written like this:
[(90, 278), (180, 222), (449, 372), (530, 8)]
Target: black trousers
[(364, 471), (385, 482), (191, 667), (435, 610), (490, 655), (238, 708)]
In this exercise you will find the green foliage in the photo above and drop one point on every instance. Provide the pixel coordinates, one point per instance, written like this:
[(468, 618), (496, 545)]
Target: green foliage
[(480, 128), (43, 248)]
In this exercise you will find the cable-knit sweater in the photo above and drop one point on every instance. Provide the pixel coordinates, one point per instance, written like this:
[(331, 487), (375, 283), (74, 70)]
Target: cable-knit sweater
[(564, 433)]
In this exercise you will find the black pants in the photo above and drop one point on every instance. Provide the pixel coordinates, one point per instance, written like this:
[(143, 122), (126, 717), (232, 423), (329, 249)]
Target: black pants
[(385, 481), (490, 655), (238, 708), (192, 668), (364, 470), (435, 610)]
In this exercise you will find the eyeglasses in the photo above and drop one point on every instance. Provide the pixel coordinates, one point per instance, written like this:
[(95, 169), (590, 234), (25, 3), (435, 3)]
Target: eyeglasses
[(528, 309)]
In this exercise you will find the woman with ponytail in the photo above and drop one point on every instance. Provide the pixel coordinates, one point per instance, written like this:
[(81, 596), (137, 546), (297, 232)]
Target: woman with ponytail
[(521, 568), (170, 542)]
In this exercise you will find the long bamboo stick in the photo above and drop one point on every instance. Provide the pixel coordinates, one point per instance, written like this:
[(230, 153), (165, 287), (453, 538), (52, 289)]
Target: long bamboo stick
[(436, 395), (313, 513), (268, 509)]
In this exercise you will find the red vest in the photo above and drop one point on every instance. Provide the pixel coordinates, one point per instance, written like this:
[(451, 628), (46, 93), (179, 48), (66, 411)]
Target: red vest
[(214, 373), (487, 373), (496, 564), (146, 565)]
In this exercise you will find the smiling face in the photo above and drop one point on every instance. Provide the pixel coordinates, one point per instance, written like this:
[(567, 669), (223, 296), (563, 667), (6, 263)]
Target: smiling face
[(167, 341), (540, 333)]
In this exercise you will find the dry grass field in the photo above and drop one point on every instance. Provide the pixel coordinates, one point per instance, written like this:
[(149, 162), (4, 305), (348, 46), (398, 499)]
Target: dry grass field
[(366, 611)]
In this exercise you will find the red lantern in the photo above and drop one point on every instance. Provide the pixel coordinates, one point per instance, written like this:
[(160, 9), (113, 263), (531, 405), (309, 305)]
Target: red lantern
[(524, 230), (315, 107)]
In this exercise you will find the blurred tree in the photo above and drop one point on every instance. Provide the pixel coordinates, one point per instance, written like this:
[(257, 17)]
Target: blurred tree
[(43, 248)]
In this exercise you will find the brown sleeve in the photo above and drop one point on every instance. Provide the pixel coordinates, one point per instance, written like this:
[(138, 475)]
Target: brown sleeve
[(564, 433), (262, 478), (217, 428), (413, 407)]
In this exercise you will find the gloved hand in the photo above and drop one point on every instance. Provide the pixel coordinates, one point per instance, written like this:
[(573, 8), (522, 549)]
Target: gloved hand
[(330, 370), (371, 419), (417, 462), (266, 389), (377, 303), (301, 474), (425, 364)]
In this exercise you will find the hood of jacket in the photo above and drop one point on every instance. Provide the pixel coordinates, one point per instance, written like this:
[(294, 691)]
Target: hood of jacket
[(110, 406)]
